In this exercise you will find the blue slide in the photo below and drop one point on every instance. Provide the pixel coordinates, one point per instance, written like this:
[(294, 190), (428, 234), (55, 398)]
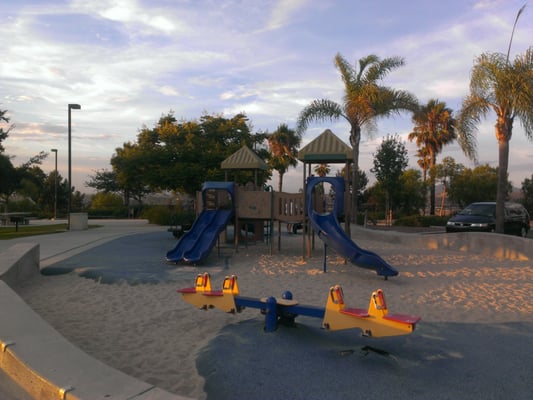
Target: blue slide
[(196, 244), (330, 232)]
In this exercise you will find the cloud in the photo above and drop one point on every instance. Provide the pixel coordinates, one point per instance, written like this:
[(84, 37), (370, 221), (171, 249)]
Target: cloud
[(146, 20), (283, 11)]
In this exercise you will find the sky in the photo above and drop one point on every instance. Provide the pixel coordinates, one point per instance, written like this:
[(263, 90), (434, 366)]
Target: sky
[(128, 62)]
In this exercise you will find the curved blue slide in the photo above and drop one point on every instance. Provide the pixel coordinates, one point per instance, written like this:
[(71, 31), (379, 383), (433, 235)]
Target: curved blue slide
[(330, 232), (195, 244)]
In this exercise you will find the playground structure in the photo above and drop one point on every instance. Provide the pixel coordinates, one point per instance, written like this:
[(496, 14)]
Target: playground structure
[(328, 229), (248, 206), (374, 322)]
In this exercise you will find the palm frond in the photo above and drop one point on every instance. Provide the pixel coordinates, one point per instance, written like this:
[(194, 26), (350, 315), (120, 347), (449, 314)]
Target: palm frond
[(318, 110), (346, 70), (364, 63), (380, 68), (473, 109)]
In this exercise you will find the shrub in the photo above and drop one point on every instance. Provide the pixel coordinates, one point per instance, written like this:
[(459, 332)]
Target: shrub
[(164, 215), (421, 221)]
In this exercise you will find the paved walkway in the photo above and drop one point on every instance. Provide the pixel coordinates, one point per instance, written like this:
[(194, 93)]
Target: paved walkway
[(59, 246)]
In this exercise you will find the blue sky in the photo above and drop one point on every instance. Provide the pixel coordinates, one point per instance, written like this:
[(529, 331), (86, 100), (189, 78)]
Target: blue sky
[(127, 62)]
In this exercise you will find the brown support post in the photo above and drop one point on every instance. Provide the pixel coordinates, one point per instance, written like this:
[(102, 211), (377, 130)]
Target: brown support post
[(347, 200)]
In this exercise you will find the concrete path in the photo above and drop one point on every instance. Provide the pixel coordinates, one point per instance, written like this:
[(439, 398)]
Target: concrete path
[(60, 246)]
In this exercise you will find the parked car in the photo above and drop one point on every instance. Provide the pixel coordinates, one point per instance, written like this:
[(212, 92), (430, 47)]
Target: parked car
[(481, 217)]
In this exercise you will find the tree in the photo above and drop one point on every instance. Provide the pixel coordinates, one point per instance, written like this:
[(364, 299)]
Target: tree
[(104, 181), (4, 133), (527, 190), (445, 171), (506, 89), (364, 101), (283, 144), (469, 186), (27, 179), (182, 155), (423, 161), (410, 196), (131, 167), (322, 169), (434, 128), (106, 200), (8, 179), (390, 161)]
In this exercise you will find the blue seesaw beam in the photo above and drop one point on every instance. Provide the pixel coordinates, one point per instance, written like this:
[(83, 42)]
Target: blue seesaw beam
[(374, 322)]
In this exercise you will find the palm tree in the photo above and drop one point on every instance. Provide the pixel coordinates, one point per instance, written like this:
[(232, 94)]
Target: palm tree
[(506, 89), (434, 128), (322, 169), (423, 161), (364, 101), (283, 143)]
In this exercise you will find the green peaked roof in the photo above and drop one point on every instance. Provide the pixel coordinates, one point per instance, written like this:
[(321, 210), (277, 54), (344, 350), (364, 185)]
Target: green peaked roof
[(244, 158), (326, 148)]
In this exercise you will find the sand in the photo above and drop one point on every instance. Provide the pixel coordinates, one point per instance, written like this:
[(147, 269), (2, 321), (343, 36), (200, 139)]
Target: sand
[(474, 341)]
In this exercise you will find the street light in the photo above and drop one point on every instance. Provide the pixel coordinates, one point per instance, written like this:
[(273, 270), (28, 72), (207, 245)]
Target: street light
[(55, 186), (70, 107)]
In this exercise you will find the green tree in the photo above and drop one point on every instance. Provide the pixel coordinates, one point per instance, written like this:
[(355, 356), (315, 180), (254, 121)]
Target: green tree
[(47, 195), (182, 155), (4, 133), (390, 161), (8, 180), (362, 181), (104, 181), (507, 90), (410, 196), (471, 185), (446, 170), (365, 100), (433, 128), (103, 200), (283, 144), (527, 190), (131, 166)]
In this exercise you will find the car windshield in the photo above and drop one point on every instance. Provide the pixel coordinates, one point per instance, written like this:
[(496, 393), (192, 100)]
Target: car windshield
[(479, 209)]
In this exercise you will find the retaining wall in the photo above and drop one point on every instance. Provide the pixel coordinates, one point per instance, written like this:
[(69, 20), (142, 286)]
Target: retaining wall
[(41, 360)]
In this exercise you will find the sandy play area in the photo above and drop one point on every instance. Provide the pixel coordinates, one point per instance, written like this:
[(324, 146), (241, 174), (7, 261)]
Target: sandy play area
[(475, 339)]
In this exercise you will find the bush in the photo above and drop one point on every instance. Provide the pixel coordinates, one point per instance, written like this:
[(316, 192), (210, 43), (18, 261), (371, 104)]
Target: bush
[(163, 215), (115, 213), (421, 221)]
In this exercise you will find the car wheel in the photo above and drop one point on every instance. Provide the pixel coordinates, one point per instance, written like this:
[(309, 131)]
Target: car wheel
[(523, 231)]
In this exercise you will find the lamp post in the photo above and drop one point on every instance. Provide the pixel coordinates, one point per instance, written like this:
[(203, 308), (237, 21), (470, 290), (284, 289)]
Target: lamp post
[(70, 107), (55, 186)]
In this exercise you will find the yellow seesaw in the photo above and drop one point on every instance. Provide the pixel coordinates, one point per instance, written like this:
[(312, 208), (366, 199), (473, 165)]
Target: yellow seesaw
[(375, 322)]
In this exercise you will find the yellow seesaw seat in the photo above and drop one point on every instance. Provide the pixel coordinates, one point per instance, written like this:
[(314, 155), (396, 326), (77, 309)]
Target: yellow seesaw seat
[(203, 297), (374, 322)]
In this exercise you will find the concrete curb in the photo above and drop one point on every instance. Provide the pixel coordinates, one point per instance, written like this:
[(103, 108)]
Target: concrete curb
[(44, 363), (487, 244)]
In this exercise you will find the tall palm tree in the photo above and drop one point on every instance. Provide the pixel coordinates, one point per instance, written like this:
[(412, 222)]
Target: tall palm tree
[(423, 161), (364, 100), (434, 128), (283, 143), (506, 89)]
